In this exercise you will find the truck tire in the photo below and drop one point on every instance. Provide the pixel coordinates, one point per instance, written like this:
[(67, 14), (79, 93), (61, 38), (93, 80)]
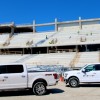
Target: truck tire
[(39, 88), (73, 82)]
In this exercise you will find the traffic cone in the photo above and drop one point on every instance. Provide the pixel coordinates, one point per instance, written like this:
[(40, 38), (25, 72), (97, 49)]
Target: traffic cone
[(61, 79)]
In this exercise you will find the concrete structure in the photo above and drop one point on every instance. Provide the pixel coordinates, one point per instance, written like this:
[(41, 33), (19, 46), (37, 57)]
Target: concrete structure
[(82, 35), (69, 25)]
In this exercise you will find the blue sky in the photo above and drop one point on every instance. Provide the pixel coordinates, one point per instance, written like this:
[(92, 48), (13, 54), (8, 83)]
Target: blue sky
[(43, 11)]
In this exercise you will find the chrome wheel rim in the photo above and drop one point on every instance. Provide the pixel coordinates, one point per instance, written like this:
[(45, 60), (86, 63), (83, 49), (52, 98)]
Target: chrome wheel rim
[(73, 83), (40, 89)]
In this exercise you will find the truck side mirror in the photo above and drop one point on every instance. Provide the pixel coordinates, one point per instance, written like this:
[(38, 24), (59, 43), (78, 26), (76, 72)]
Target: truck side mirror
[(83, 70)]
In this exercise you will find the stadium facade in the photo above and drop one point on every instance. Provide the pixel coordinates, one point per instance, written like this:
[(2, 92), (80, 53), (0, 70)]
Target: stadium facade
[(71, 42)]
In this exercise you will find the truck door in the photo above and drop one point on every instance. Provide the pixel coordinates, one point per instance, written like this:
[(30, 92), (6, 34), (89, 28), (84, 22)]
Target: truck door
[(96, 73), (13, 76), (89, 75)]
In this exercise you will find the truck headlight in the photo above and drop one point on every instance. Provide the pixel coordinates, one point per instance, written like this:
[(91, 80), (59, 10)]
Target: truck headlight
[(65, 75)]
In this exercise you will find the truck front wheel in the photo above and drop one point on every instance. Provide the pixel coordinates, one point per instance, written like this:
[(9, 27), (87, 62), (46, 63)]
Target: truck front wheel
[(39, 88), (73, 82)]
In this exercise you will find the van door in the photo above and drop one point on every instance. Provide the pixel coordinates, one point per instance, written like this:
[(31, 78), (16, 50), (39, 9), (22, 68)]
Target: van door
[(15, 76)]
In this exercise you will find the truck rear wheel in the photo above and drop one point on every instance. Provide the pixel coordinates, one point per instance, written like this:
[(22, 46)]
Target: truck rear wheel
[(73, 82), (39, 88)]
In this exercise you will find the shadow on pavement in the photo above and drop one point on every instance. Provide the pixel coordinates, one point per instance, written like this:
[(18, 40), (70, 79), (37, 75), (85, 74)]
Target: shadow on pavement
[(28, 92), (15, 93), (87, 85), (55, 91)]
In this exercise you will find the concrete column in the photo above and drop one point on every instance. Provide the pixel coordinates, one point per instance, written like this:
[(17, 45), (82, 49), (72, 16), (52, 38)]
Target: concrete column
[(23, 52), (56, 49), (12, 29), (0, 51), (86, 48), (80, 23), (34, 27), (76, 48), (56, 26), (31, 50), (47, 49)]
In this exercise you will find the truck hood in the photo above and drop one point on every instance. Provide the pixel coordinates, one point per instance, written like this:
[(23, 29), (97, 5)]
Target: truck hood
[(68, 72)]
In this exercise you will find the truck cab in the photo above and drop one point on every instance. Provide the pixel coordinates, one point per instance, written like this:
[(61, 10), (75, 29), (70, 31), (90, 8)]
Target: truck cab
[(13, 76)]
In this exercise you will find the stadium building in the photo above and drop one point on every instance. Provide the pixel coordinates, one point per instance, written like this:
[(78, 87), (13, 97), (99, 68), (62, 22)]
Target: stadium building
[(71, 43)]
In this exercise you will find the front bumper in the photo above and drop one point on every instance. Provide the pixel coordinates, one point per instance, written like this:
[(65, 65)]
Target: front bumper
[(66, 81)]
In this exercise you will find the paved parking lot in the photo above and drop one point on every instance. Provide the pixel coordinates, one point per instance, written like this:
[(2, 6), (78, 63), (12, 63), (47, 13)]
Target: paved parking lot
[(58, 92)]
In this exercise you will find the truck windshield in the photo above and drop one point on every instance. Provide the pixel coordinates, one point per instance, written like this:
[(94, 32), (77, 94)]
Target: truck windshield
[(83, 67)]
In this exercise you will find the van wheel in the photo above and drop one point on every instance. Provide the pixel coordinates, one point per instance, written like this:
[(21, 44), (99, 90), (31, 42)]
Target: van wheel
[(39, 88), (73, 82)]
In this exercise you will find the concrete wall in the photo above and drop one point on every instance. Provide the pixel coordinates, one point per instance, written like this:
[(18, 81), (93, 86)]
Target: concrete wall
[(74, 27), (93, 25)]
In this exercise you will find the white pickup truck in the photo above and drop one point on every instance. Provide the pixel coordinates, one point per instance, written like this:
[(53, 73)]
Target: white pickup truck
[(90, 73), (17, 76)]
